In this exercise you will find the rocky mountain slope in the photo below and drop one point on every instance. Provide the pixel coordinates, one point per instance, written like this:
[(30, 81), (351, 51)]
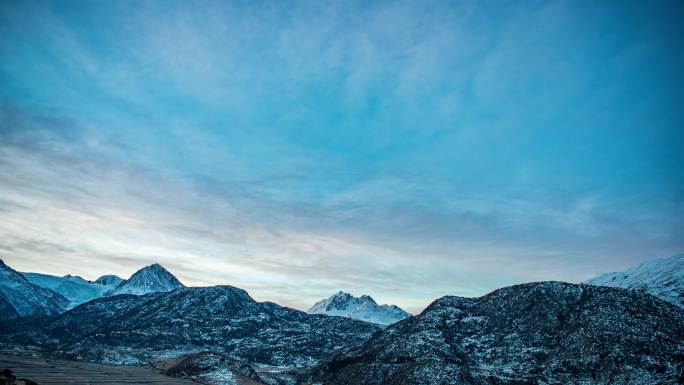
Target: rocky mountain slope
[(220, 318), (76, 289), (150, 279), (210, 368), (362, 308), (663, 278), (537, 333), (21, 298), (7, 311)]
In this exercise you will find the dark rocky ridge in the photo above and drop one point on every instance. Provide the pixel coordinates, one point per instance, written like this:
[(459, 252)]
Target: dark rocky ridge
[(220, 318), (537, 333)]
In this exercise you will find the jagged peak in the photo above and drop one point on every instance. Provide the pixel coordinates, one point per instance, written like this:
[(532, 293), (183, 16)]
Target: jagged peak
[(367, 298), (362, 308), (149, 279), (341, 294), (154, 266)]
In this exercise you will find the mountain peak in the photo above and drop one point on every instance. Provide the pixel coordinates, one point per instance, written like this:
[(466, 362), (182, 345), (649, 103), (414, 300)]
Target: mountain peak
[(367, 298), (149, 279), (362, 308)]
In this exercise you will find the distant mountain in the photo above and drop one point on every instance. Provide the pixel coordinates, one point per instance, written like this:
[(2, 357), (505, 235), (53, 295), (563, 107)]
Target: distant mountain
[(536, 333), (109, 280), (76, 289), (362, 308), (150, 279), (224, 319), (663, 278), (21, 298)]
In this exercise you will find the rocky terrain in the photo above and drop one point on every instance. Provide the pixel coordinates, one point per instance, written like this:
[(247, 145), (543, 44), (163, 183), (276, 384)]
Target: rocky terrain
[(362, 308), (537, 333), (130, 329), (663, 278)]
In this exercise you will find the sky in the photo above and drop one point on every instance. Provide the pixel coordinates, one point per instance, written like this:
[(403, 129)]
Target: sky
[(405, 150)]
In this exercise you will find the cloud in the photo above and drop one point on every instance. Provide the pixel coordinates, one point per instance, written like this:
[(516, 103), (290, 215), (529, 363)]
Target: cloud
[(402, 150)]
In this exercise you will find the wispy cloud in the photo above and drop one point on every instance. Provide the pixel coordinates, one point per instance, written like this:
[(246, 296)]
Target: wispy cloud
[(405, 150)]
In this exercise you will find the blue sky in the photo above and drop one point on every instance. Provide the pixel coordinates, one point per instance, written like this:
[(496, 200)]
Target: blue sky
[(405, 150)]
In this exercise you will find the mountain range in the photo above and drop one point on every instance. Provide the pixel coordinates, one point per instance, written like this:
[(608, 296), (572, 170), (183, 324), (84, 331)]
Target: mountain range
[(35, 294), (219, 318), (362, 308), (534, 333), (76, 289)]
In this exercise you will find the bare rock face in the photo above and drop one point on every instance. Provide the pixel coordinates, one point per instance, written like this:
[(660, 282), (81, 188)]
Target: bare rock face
[(537, 333)]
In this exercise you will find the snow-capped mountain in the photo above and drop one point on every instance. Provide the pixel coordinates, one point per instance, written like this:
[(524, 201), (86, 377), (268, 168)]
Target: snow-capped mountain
[(219, 318), (663, 278), (535, 333), (362, 308), (150, 279), (76, 289), (21, 298)]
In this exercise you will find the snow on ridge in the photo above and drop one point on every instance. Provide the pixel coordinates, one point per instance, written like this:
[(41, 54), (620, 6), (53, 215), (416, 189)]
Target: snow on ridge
[(76, 289), (663, 278), (20, 297), (362, 308)]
